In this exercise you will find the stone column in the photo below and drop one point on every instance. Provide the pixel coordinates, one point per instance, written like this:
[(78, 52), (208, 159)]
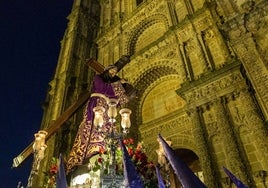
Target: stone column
[(188, 69), (206, 53), (254, 123), (236, 165), (202, 147), (233, 109), (244, 46)]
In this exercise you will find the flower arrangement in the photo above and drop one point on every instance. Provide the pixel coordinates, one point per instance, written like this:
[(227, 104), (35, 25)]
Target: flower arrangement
[(137, 154), (51, 173)]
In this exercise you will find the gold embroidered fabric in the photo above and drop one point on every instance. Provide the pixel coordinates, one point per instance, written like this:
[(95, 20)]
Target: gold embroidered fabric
[(89, 140)]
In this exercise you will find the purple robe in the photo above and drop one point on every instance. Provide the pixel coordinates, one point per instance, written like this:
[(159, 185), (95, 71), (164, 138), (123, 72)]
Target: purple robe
[(89, 140)]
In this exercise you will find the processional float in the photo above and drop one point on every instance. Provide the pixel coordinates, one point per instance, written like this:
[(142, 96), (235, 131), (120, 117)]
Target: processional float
[(56, 125)]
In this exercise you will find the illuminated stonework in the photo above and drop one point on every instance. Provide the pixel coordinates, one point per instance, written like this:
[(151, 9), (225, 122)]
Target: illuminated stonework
[(200, 68)]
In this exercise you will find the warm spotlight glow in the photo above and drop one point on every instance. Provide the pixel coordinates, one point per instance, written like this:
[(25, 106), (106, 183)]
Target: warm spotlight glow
[(112, 111), (125, 115), (98, 116)]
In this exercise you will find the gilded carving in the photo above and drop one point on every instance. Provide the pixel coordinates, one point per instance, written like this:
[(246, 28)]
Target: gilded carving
[(185, 33), (202, 147), (190, 46), (148, 10), (175, 124), (253, 121), (212, 125), (234, 29), (203, 23), (209, 34), (213, 88)]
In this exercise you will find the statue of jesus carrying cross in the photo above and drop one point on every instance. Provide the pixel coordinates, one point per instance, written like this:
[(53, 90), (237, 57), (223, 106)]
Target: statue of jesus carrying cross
[(106, 85)]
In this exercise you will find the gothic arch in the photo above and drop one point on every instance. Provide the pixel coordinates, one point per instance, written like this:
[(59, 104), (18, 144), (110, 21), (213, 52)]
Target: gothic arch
[(145, 81), (144, 25), (185, 149), (178, 143)]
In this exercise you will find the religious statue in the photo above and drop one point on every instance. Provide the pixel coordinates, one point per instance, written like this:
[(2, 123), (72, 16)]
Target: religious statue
[(106, 86)]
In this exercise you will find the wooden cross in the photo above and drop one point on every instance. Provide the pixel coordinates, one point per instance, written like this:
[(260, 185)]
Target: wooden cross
[(56, 125)]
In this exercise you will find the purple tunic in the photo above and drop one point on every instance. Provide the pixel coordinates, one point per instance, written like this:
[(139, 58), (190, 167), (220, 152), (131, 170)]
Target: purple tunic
[(89, 140)]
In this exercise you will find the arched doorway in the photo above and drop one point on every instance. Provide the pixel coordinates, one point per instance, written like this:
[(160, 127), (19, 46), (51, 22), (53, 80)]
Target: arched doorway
[(192, 161)]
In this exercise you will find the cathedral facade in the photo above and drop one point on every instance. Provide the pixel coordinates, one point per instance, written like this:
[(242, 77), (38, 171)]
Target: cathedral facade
[(200, 70)]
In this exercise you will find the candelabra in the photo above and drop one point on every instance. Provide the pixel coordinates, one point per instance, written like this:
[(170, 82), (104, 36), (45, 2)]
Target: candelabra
[(111, 138), (39, 148)]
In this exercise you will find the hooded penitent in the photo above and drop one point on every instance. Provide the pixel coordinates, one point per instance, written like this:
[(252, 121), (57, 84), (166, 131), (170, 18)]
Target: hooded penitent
[(184, 174), (132, 178), (160, 181), (61, 181), (234, 179)]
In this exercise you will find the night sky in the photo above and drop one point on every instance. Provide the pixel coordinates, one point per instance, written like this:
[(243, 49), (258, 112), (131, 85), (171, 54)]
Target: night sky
[(30, 35)]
